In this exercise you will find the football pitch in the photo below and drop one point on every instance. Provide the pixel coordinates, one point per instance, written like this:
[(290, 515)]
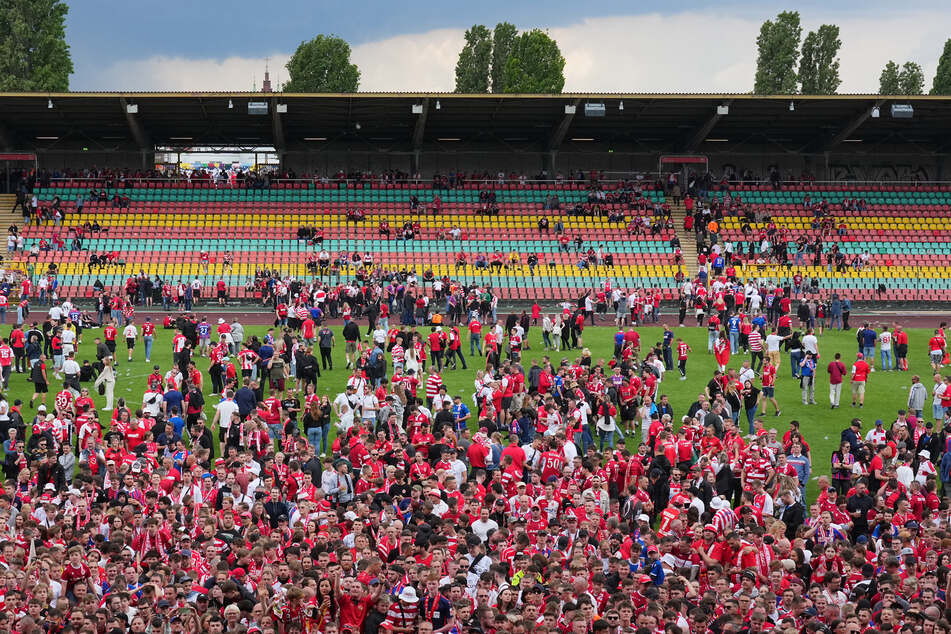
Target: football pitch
[(887, 392)]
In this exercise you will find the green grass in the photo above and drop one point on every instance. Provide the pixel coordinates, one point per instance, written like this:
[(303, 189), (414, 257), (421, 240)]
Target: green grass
[(886, 392)]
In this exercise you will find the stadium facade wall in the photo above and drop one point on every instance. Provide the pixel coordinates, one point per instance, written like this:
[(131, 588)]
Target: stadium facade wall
[(885, 164)]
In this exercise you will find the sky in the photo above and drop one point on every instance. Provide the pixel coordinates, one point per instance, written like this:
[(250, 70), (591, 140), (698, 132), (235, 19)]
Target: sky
[(612, 46)]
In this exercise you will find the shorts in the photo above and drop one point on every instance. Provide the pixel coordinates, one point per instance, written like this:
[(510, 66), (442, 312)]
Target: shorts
[(901, 350), (41, 388), (222, 433), (111, 344), (222, 294), (129, 342), (937, 356), (506, 403), (351, 347), (277, 384), (858, 388), (768, 391)]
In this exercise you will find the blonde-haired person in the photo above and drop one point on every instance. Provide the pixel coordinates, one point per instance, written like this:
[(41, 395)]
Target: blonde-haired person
[(107, 378), (556, 333)]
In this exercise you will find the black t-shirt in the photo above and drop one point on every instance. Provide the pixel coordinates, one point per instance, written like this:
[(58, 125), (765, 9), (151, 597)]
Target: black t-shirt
[(435, 452), (444, 417), (291, 405), (714, 388), (863, 504), (206, 441), (351, 332)]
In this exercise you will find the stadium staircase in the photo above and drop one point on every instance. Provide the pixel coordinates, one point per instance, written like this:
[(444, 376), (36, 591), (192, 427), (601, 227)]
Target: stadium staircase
[(688, 242), (7, 215)]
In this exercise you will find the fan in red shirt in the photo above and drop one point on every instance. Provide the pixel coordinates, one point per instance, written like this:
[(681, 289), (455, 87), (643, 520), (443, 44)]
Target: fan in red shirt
[(682, 350), (936, 350), (75, 571)]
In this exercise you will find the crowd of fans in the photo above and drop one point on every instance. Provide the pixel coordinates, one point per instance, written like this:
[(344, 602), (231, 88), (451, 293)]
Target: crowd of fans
[(562, 494)]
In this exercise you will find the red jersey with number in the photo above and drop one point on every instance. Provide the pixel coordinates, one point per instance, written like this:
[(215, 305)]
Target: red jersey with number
[(682, 349), (64, 401), (552, 464)]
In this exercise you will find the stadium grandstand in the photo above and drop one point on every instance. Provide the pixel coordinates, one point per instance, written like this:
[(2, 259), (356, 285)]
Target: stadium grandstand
[(537, 196)]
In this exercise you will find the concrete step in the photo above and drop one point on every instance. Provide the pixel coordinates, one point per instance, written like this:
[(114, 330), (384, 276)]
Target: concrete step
[(688, 244), (7, 215)]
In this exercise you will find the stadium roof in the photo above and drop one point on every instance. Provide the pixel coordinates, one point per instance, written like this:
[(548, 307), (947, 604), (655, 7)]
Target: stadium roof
[(650, 122)]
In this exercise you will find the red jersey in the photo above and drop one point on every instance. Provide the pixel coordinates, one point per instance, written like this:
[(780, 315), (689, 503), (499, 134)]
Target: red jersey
[(769, 375), (682, 350), (552, 464)]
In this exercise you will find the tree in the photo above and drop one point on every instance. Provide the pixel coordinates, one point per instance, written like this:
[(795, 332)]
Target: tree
[(472, 69), (908, 79), (778, 46), (535, 65), (322, 65), (819, 67), (34, 55), (503, 38), (889, 82), (942, 78), (911, 80)]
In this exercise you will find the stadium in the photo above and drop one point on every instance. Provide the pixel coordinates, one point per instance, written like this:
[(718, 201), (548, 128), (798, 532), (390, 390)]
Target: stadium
[(345, 152), (315, 360)]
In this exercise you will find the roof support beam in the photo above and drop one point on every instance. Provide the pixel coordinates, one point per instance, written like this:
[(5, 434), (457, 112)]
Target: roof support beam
[(704, 130), (420, 128), (852, 125), (135, 127), (561, 130), (277, 126)]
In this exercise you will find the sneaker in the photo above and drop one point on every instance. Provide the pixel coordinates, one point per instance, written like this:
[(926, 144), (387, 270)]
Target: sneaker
[(779, 413), (683, 378)]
